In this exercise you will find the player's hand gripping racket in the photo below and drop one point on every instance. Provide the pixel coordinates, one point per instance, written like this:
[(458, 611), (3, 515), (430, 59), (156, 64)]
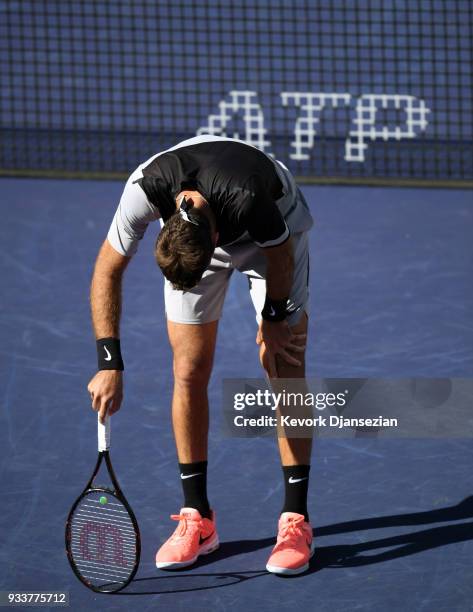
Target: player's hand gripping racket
[(102, 535)]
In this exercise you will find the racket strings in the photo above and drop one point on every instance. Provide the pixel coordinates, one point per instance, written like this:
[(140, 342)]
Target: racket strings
[(103, 540)]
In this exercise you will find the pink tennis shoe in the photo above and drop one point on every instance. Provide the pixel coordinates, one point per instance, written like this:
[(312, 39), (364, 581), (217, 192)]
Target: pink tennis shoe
[(293, 547), (194, 536)]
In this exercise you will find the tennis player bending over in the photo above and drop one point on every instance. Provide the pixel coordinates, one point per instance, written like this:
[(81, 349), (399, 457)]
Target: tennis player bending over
[(223, 205)]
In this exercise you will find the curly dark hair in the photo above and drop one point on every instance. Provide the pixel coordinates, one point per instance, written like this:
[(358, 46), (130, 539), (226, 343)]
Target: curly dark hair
[(184, 250)]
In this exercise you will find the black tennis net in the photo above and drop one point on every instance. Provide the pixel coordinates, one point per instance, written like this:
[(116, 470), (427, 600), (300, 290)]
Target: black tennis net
[(367, 89)]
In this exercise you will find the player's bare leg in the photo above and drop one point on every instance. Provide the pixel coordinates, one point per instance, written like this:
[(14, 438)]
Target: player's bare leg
[(193, 348), (293, 548), (293, 451)]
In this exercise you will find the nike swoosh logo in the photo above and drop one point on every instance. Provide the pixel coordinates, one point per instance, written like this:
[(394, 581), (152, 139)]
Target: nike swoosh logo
[(272, 312), (202, 540), (108, 357), (293, 480), (190, 475)]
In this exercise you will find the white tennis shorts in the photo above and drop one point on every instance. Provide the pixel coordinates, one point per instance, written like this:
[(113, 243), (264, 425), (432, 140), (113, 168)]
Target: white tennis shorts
[(204, 303)]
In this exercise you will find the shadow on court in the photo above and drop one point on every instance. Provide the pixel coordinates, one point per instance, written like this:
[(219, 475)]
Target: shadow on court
[(336, 556)]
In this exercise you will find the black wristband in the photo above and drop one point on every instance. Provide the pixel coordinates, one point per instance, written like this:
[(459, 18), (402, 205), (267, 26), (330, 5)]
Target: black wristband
[(274, 310), (109, 356)]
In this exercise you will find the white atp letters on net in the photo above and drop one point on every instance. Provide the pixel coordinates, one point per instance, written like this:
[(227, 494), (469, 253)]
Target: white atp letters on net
[(365, 124)]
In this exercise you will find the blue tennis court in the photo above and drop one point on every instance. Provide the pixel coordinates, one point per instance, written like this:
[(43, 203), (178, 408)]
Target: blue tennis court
[(391, 296)]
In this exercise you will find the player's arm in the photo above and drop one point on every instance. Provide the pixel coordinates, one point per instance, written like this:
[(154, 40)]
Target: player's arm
[(105, 291), (129, 224), (269, 231), (274, 330), (279, 270), (106, 387)]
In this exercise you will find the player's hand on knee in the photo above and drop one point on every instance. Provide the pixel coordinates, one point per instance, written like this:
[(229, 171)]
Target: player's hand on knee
[(279, 340), (106, 392)]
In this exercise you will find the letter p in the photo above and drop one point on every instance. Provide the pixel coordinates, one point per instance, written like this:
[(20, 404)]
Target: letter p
[(366, 127)]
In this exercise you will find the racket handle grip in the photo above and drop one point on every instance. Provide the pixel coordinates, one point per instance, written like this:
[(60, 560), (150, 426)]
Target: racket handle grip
[(103, 431)]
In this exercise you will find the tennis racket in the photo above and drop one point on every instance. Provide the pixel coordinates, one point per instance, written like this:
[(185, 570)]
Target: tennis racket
[(102, 536)]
